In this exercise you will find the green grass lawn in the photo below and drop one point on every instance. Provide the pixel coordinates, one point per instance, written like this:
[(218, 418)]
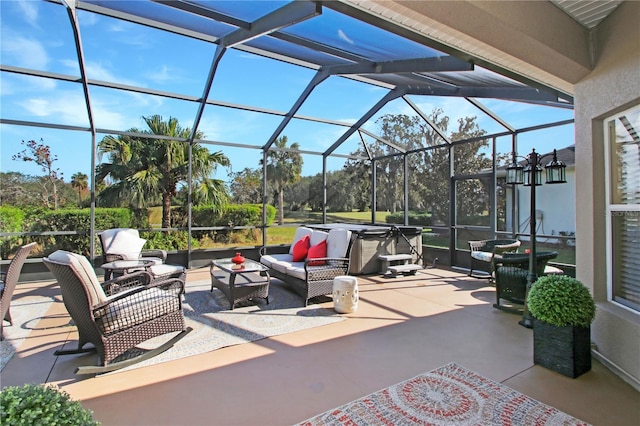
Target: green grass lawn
[(277, 235), (155, 217), (307, 216)]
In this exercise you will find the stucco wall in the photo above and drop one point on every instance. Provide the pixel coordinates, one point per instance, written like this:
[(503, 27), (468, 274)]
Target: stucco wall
[(556, 202), (613, 85)]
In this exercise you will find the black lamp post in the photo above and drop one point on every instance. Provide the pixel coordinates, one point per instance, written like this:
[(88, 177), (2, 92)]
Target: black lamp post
[(531, 175)]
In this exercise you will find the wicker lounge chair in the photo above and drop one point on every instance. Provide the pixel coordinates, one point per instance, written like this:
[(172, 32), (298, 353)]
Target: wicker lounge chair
[(484, 251), (9, 282), (126, 244), (511, 271), (119, 314)]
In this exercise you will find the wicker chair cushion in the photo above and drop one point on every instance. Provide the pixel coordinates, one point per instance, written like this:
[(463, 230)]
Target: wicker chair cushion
[(82, 268), (338, 242), (125, 243), (484, 256), (137, 309), (300, 233), (165, 270)]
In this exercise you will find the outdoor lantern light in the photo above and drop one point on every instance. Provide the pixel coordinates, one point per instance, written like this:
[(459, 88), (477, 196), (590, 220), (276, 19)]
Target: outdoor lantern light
[(556, 170), (515, 172), (518, 174), (533, 171)]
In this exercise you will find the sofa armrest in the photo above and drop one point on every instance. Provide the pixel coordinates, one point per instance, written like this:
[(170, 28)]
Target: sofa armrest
[(332, 267)]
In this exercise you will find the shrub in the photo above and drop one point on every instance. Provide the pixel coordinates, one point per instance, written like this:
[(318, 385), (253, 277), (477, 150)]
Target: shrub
[(561, 300), (11, 219), (43, 405), (415, 218), (169, 240)]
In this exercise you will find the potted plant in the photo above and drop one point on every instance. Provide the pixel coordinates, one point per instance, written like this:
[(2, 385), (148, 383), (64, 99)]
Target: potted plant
[(44, 405), (563, 309)]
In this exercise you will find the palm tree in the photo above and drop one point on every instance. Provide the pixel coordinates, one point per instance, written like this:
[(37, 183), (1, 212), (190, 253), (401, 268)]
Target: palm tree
[(284, 166), (146, 172), (80, 181)]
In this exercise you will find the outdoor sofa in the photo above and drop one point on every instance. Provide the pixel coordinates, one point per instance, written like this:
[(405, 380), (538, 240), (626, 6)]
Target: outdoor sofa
[(310, 273)]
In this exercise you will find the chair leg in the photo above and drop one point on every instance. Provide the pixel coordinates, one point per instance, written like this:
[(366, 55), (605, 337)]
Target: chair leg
[(7, 316), (79, 350)]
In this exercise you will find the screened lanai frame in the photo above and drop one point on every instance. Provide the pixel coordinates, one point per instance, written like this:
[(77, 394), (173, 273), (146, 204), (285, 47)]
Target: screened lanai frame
[(384, 55)]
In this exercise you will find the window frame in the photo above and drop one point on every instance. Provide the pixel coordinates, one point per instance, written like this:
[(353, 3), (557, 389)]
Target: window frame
[(615, 209)]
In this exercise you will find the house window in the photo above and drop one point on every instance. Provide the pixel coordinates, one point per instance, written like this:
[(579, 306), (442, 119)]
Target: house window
[(622, 135)]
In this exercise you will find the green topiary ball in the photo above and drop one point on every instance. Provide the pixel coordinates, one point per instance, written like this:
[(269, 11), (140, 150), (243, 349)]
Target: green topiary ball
[(41, 405), (561, 300)]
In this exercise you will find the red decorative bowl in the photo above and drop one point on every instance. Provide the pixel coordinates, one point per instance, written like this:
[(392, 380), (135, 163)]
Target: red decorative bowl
[(238, 259)]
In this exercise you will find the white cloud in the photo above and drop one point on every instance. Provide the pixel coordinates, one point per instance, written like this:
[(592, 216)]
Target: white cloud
[(87, 18), (30, 12), (162, 75), (211, 128), (67, 107), (98, 71), (345, 37), (117, 27), (21, 84), (71, 65), (109, 119), (24, 52)]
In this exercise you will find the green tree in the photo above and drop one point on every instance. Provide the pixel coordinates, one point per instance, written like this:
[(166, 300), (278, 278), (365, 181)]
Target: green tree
[(429, 169), (80, 182), (284, 166), (246, 186), (40, 154), (143, 172)]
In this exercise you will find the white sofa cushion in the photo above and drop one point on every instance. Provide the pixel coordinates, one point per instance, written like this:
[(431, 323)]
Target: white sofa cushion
[(281, 266), (317, 237), (338, 242), (296, 269), (269, 259), (300, 233), (82, 268)]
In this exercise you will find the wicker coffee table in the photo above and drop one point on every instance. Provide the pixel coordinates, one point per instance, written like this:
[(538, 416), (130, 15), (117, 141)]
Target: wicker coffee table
[(247, 281)]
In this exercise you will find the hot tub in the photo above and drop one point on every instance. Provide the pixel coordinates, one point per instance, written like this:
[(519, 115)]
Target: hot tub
[(370, 241)]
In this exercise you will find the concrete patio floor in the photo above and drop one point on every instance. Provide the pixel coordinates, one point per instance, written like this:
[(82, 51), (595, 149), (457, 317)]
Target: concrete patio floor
[(403, 327)]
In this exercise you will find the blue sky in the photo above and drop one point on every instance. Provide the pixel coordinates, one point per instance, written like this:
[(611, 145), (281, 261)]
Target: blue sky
[(37, 35)]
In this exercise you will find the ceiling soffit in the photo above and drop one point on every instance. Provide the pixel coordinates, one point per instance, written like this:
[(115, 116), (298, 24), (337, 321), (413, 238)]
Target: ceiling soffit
[(565, 67)]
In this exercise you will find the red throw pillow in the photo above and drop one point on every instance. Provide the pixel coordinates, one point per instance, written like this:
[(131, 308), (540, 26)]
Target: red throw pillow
[(317, 251), (301, 248)]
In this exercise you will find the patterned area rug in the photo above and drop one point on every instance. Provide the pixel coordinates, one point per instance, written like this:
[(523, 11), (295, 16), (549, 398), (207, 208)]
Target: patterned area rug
[(25, 312), (449, 395), (216, 326)]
